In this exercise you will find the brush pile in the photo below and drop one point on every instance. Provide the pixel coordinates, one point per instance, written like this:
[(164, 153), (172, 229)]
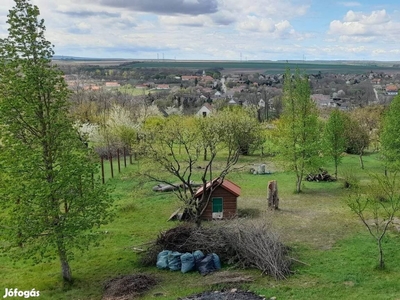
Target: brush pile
[(243, 244)]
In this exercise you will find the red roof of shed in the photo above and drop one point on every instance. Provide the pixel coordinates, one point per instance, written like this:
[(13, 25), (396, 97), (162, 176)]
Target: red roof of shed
[(226, 184)]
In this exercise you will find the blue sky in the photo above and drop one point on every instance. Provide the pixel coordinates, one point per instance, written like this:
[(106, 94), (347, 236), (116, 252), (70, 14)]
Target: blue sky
[(221, 29)]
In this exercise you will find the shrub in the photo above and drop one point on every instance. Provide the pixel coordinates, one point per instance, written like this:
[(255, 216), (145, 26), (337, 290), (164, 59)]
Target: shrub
[(350, 180)]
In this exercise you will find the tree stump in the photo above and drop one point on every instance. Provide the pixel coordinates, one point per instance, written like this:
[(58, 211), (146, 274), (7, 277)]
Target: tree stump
[(272, 196)]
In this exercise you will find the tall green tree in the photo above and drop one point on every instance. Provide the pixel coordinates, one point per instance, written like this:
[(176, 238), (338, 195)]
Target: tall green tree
[(50, 198), (334, 137), (239, 129), (390, 136), (298, 127), (370, 118)]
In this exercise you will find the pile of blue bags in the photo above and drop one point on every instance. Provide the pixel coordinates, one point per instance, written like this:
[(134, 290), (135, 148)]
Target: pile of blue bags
[(187, 262)]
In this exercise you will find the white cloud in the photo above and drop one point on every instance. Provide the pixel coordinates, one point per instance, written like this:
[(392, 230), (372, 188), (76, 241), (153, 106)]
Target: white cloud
[(350, 3), (192, 21), (283, 26), (376, 17), (253, 23), (266, 8), (347, 28), (274, 30), (359, 27), (357, 39), (224, 18)]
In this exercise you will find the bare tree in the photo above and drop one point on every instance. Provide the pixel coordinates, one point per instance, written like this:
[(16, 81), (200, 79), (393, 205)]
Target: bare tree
[(173, 149), (377, 208)]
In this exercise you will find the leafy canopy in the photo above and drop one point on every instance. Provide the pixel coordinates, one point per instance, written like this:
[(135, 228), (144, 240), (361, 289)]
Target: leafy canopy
[(49, 193)]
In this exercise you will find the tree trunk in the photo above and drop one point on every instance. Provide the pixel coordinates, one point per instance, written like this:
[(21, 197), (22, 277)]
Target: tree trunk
[(65, 269), (197, 217), (336, 167), (205, 154), (298, 184), (381, 262), (361, 161)]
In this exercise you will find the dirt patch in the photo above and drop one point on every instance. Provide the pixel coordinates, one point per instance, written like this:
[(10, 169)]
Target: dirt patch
[(128, 286), (233, 294), (228, 278)]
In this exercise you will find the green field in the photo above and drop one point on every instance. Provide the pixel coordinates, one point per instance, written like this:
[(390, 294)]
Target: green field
[(337, 254), (271, 67)]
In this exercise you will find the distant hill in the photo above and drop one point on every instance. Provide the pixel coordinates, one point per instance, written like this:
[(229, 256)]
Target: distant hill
[(227, 66), (77, 58)]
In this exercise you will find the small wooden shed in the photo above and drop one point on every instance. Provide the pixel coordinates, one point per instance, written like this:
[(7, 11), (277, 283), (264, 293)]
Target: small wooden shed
[(223, 201)]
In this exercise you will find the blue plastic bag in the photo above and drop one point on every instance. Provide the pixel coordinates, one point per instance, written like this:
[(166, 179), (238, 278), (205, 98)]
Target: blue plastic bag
[(162, 259), (188, 262), (198, 255), (206, 265), (217, 261), (174, 261)]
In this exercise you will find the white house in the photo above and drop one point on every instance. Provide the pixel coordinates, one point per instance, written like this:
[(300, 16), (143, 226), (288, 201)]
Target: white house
[(205, 110)]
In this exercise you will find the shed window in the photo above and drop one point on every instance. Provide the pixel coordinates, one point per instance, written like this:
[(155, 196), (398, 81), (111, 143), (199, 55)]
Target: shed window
[(217, 205)]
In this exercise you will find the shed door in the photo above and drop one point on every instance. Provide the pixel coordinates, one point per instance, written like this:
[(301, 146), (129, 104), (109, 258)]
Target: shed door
[(217, 205)]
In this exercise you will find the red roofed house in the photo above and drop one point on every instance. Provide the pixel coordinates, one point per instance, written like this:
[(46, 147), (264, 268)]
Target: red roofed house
[(392, 90), (376, 81), (162, 86), (223, 200), (207, 78), (91, 88), (112, 84), (189, 77)]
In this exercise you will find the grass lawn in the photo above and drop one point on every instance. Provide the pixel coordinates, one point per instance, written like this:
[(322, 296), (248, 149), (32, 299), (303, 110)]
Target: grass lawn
[(337, 256)]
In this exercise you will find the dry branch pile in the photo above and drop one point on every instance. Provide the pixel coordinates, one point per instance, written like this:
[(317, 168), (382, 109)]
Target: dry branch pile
[(258, 247), (247, 244), (188, 238)]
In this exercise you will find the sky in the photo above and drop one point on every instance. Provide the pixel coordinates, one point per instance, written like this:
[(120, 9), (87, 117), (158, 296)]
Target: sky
[(221, 29)]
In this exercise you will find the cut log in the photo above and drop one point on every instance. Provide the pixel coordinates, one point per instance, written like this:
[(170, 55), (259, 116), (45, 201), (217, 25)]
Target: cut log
[(272, 195)]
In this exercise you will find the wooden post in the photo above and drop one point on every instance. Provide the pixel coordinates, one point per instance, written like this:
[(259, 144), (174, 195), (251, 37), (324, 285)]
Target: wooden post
[(102, 169), (273, 199), (125, 157), (119, 164), (111, 164)]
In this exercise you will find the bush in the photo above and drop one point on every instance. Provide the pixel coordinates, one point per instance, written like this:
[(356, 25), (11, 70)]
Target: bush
[(350, 180)]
